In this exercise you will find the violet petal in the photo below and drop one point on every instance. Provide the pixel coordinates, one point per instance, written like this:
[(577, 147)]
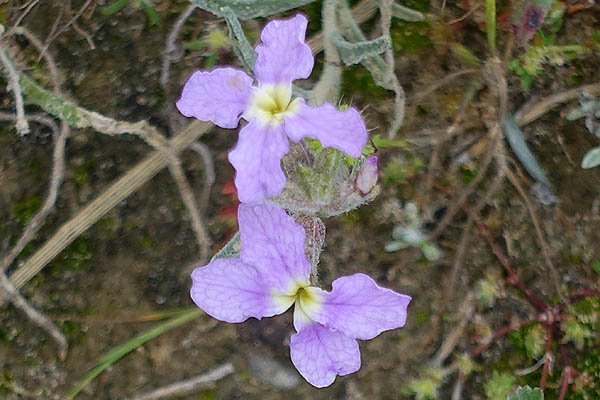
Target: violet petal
[(361, 309), (319, 354), (232, 291), (283, 56), (219, 96), (342, 130), (274, 243), (257, 161)]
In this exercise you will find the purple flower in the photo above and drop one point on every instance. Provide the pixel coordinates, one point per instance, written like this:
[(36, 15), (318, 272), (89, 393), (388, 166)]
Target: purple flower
[(272, 273), (223, 95)]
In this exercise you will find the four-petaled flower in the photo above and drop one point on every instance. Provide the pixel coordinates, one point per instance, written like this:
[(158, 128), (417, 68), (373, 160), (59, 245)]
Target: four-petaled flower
[(272, 273), (223, 95)]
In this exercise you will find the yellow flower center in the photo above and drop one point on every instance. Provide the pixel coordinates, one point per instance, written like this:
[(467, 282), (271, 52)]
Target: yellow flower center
[(270, 103)]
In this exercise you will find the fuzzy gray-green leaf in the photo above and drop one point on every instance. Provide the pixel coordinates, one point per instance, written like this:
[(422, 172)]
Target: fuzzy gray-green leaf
[(354, 53), (591, 158), (231, 249), (527, 393), (241, 45), (406, 14), (248, 9), (517, 143)]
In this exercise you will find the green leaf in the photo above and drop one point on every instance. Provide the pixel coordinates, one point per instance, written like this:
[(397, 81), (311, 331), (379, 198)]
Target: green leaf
[(231, 249), (534, 341), (114, 7), (248, 9), (591, 158), (490, 24), (500, 386), (242, 46), (120, 351), (150, 13), (465, 55), (354, 53), (527, 393)]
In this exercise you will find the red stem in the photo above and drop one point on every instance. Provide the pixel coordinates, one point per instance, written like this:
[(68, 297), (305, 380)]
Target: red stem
[(513, 277), (498, 334), (568, 373), (547, 355)]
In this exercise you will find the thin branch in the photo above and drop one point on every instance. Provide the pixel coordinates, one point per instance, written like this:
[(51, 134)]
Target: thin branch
[(513, 277), (56, 178), (30, 6), (54, 35), (13, 79), (113, 195), (538, 230), (170, 46), (328, 86), (191, 205), (79, 117), (533, 110), (37, 43), (12, 295), (385, 9), (188, 386)]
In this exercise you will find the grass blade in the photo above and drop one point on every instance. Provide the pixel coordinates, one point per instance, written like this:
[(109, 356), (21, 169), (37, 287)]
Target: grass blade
[(117, 353), (490, 24)]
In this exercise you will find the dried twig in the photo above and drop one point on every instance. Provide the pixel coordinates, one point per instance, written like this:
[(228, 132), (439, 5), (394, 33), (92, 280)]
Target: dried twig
[(56, 178), (170, 46), (29, 7), (113, 195), (55, 34), (189, 385), (13, 79), (385, 9), (209, 172), (327, 88), (12, 295), (535, 109), (538, 230), (191, 205)]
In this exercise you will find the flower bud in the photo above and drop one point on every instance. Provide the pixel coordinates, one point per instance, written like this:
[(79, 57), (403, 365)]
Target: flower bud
[(367, 177)]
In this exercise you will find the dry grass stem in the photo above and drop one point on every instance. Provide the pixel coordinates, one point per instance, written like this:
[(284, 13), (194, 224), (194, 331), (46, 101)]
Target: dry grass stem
[(188, 386), (538, 230), (191, 205), (113, 195)]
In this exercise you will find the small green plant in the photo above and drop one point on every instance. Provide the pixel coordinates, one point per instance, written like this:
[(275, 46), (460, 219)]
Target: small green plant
[(410, 235), (145, 5), (589, 108)]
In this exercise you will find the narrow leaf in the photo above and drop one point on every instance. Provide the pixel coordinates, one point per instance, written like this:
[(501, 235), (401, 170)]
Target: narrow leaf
[(120, 351), (354, 53), (591, 158), (517, 143), (241, 45), (114, 7), (150, 13), (490, 24), (248, 9)]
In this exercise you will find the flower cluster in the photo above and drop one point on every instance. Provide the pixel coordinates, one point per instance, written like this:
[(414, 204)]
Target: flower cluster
[(272, 272)]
